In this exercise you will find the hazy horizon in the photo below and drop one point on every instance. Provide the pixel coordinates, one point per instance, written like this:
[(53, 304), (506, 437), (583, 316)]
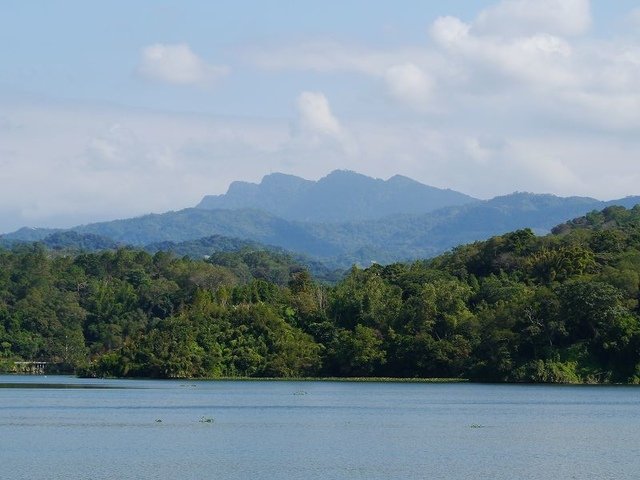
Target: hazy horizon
[(120, 109)]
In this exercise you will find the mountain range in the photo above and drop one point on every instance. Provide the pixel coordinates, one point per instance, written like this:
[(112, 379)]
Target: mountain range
[(342, 219)]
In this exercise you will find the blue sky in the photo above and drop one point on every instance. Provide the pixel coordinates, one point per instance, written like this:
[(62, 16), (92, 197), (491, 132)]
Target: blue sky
[(113, 109), (89, 51)]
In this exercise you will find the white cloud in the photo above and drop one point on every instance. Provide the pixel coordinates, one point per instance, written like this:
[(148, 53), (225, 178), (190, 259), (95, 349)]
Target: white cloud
[(530, 17), (177, 64), (409, 84), (317, 134), (449, 30), (539, 59), (583, 83), (315, 114)]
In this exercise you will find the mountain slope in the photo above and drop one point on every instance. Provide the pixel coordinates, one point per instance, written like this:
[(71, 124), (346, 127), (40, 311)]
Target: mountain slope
[(389, 239), (393, 238), (192, 224), (418, 236), (339, 197), (28, 234)]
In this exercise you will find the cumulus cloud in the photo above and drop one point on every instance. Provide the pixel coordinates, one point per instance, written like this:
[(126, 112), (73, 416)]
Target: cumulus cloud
[(315, 114), (319, 132), (586, 82), (410, 84), (177, 64), (541, 60), (450, 30)]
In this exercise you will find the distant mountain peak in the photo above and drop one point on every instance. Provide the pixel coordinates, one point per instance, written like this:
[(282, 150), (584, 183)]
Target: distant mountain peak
[(402, 179), (342, 173), (282, 177), (341, 195)]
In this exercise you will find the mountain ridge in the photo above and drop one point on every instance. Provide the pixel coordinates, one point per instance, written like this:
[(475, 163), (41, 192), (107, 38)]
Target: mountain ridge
[(340, 196)]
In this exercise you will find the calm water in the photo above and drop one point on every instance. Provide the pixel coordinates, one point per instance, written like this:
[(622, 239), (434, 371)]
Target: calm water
[(66, 428)]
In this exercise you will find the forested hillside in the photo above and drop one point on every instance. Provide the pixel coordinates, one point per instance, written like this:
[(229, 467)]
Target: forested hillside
[(336, 245), (559, 308)]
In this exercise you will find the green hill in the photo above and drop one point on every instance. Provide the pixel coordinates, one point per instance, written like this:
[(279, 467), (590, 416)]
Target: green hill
[(561, 308)]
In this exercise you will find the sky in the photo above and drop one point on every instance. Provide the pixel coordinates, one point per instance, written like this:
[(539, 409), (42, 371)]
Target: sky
[(115, 109)]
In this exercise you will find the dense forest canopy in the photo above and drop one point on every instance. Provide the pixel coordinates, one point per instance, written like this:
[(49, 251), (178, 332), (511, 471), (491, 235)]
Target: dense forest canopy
[(517, 307)]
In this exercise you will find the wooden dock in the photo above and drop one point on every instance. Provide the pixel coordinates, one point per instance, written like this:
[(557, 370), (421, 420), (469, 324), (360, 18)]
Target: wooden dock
[(30, 368)]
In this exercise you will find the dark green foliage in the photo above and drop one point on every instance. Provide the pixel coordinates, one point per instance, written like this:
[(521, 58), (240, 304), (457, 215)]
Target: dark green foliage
[(125, 312), (70, 240), (252, 259), (203, 247), (561, 308)]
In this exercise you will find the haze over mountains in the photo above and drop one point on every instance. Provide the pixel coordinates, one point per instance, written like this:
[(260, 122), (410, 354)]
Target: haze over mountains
[(342, 219)]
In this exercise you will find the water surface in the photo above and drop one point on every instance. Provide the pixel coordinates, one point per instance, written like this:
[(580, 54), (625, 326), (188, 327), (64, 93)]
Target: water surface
[(68, 428)]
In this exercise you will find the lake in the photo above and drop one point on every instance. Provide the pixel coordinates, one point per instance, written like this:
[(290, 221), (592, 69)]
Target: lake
[(66, 428)]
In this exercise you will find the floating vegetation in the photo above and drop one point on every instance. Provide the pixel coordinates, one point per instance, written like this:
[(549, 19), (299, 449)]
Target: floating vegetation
[(206, 420)]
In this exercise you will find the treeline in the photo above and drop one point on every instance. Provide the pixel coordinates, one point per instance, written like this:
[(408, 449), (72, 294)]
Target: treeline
[(522, 308)]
